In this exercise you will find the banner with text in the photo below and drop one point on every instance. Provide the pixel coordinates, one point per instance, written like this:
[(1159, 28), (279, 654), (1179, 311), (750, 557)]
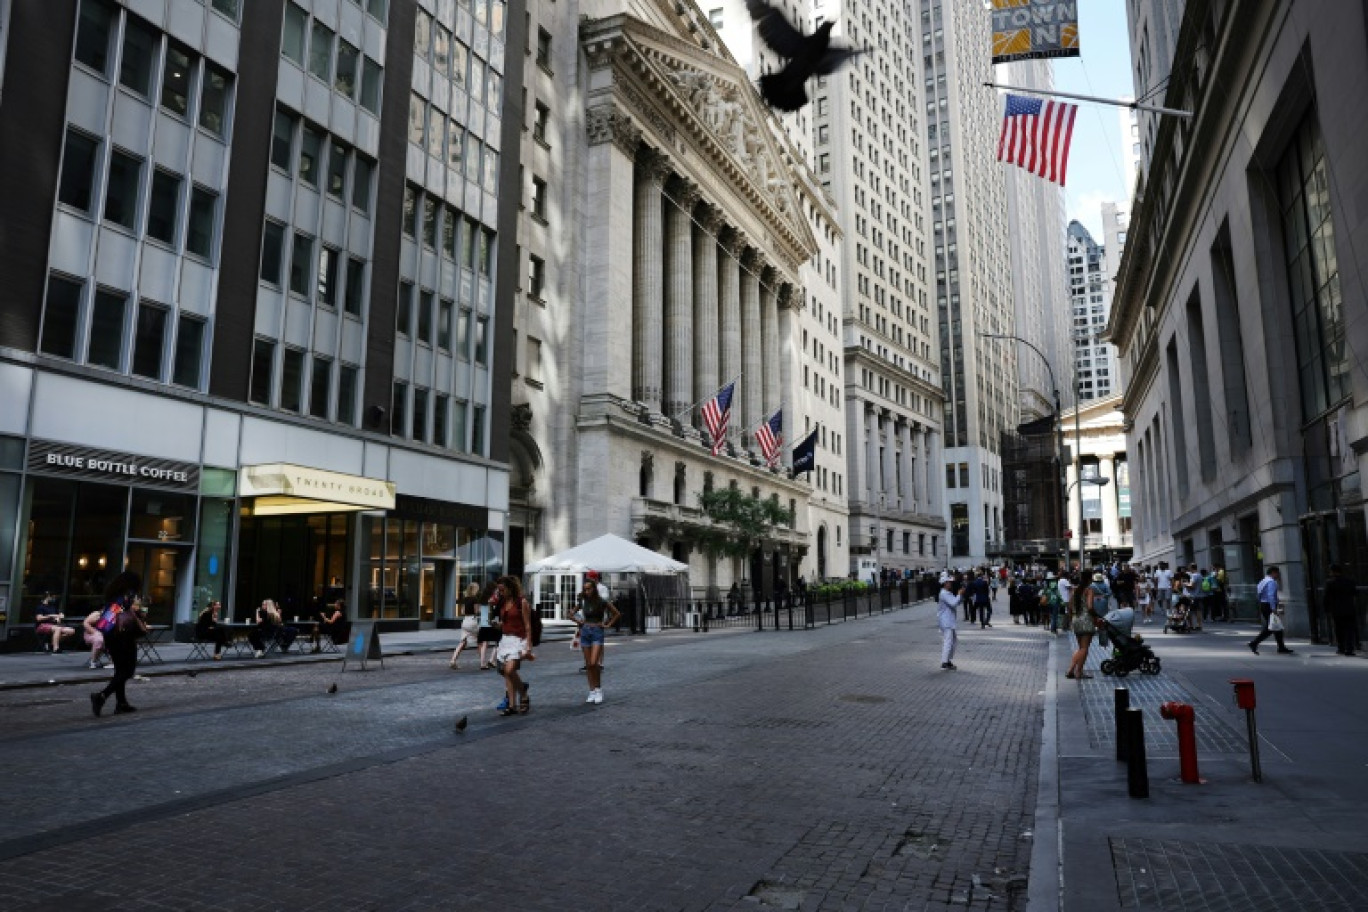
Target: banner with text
[(1027, 29)]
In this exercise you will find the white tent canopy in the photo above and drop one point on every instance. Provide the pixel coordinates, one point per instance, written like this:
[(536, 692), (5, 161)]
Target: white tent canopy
[(608, 554), (646, 576)]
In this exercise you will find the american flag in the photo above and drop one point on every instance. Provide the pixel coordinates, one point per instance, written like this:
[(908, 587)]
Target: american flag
[(717, 415), (1036, 134), (770, 434)]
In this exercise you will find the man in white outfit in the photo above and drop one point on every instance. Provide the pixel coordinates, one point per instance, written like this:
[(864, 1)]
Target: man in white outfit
[(947, 616)]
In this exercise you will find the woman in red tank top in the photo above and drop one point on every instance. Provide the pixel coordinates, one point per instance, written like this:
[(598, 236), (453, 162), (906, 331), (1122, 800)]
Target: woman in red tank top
[(515, 615)]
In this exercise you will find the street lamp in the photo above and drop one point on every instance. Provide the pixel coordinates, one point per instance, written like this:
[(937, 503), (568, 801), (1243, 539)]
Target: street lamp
[(1080, 481), (1059, 444)]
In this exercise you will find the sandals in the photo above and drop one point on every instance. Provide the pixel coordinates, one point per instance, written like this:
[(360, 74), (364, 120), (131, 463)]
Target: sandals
[(525, 704), (508, 712)]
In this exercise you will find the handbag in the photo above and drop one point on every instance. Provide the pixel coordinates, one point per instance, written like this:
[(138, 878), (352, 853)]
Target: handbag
[(1275, 622)]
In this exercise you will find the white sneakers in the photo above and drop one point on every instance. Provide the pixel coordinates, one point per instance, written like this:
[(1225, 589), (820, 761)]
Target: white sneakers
[(595, 696)]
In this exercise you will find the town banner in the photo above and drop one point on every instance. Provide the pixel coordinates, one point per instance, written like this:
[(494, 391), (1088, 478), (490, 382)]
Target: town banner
[(1026, 29)]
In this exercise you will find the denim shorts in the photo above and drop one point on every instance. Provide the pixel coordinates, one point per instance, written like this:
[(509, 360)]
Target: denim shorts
[(591, 635)]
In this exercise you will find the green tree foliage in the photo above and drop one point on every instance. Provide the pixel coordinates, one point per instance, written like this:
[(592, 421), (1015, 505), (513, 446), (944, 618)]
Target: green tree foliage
[(739, 521)]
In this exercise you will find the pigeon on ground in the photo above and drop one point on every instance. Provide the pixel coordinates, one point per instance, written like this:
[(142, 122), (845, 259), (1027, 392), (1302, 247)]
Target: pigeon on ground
[(332, 688), (191, 674), (461, 724), (807, 55)]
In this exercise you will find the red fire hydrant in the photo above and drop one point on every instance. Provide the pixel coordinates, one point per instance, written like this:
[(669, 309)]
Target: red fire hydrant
[(1187, 738)]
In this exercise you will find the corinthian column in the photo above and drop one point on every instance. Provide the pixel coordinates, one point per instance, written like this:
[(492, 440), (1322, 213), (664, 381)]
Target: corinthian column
[(732, 244), (679, 297), (769, 343), (905, 444), (647, 315), (752, 380), (707, 343)]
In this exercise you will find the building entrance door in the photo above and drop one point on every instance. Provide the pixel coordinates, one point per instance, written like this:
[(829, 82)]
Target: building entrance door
[(165, 571)]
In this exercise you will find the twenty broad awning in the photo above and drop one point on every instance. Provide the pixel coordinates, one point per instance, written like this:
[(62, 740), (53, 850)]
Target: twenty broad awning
[(277, 488)]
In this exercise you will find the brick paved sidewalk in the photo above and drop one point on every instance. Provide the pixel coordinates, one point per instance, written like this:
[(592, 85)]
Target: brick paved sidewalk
[(831, 769)]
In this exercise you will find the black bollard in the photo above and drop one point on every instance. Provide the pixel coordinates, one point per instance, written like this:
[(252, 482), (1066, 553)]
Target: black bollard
[(1121, 696), (1137, 775)]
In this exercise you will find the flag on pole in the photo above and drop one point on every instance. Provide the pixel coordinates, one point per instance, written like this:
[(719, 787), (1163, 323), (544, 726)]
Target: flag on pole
[(717, 415), (1036, 135), (805, 454), (770, 435)]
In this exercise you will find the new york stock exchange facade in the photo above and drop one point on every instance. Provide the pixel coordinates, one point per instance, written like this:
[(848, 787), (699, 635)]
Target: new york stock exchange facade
[(689, 243)]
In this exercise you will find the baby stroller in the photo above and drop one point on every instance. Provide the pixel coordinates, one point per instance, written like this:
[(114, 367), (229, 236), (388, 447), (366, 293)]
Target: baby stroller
[(1177, 619), (1129, 652)]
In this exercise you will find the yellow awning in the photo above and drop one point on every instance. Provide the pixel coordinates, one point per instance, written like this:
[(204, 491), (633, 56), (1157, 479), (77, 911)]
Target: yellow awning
[(279, 488)]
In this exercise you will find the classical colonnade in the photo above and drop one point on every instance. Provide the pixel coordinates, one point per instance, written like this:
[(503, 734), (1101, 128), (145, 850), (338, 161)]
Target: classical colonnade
[(707, 306), (902, 459)]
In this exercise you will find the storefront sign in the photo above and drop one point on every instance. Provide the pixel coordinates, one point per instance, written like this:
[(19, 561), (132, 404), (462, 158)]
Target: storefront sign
[(284, 480), (1026, 29), (408, 506), (75, 461)]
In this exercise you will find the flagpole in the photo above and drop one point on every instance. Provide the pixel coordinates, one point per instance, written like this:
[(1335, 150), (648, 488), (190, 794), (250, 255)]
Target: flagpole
[(688, 409), (1133, 105)]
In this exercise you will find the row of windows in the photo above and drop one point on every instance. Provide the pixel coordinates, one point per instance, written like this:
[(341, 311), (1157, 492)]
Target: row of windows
[(314, 144), (151, 65), (443, 228), (449, 56), (420, 415), (152, 207), (292, 391), (106, 344), (331, 59), (317, 280), (448, 141), (421, 315)]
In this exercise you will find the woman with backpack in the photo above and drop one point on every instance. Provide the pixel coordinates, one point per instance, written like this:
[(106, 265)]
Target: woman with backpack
[(121, 623), (515, 644)]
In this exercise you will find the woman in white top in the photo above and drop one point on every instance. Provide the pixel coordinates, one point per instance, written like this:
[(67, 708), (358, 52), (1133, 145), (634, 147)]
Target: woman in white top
[(1142, 596), (947, 616)]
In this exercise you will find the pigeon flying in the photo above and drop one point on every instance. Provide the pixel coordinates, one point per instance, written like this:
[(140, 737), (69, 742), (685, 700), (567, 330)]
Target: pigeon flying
[(807, 55)]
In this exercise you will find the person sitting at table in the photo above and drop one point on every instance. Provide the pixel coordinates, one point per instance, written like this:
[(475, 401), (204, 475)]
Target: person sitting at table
[(49, 622), (270, 630), (332, 622), (208, 629)]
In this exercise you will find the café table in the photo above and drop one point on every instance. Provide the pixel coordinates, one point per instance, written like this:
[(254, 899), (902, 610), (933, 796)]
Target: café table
[(147, 643)]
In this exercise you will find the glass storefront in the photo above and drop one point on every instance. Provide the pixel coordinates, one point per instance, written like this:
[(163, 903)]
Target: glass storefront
[(416, 569), (299, 561)]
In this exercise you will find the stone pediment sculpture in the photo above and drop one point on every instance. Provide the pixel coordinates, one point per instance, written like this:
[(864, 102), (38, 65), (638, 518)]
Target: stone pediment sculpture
[(686, 94)]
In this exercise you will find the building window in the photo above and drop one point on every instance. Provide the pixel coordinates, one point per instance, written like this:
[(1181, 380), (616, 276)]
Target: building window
[(544, 49), (346, 394), (107, 330), (533, 368), (371, 78), (398, 404), (444, 311), (361, 183), (301, 264), (189, 351), (282, 139), (310, 147), (61, 317), (463, 333), (715, 18), (451, 228), (543, 117), (439, 420), (320, 51), (477, 430), (327, 276), (161, 208), (403, 310), (121, 194), (536, 276), (344, 81), (263, 366), (78, 171), (410, 225), (425, 299), (481, 332), (319, 387), (1323, 358), (337, 171), (292, 380), (430, 211), (420, 407), (356, 286), (139, 55), (272, 252), (93, 34), (292, 35), (539, 199), (177, 76), (149, 341), (199, 234), (213, 113)]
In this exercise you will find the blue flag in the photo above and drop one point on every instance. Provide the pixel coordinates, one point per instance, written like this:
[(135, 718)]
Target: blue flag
[(805, 454)]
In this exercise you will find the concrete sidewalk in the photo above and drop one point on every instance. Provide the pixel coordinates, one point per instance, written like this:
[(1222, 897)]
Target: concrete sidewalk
[(1298, 839)]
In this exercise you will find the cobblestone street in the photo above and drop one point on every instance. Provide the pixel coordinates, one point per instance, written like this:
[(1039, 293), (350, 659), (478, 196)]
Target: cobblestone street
[(831, 769)]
